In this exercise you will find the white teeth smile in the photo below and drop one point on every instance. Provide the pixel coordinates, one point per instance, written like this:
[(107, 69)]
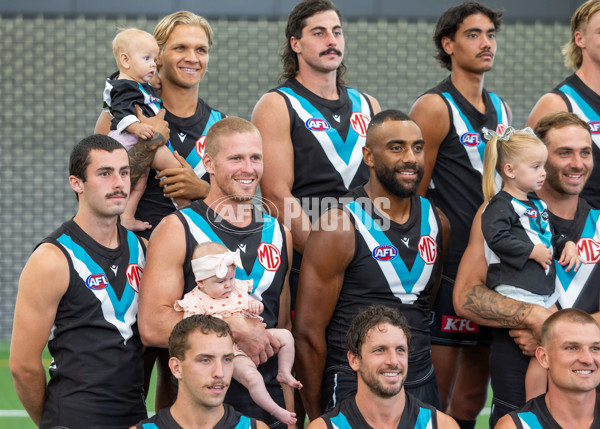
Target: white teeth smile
[(245, 182), (583, 371), (390, 374)]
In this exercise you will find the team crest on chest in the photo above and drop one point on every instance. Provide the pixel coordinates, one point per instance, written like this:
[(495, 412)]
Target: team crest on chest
[(385, 253), (96, 281), (134, 275), (269, 256), (360, 122), (427, 249), (200, 146), (589, 250)]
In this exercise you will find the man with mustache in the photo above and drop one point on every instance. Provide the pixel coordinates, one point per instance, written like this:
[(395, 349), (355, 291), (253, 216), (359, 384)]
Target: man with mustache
[(233, 159), (381, 245), (313, 126), (451, 116), (201, 359), (378, 344), (78, 293)]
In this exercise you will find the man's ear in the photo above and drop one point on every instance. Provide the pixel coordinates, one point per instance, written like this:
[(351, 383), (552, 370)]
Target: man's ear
[(354, 361), (208, 163), (175, 367), (295, 44), (542, 356), (368, 156), (76, 184), (447, 45)]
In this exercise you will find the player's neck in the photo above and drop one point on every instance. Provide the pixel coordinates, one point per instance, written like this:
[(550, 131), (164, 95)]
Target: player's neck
[(237, 213), (321, 84), (384, 413), (395, 208), (179, 101), (470, 85), (188, 415), (571, 410), (562, 205), (589, 73), (102, 229)]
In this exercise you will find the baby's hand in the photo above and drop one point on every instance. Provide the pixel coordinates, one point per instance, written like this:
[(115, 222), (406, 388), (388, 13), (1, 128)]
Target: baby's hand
[(143, 131), (255, 306), (542, 255), (570, 257)]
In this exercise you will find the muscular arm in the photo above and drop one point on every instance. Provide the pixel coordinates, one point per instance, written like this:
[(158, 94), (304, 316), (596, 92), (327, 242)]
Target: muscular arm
[(431, 115), (549, 103), (474, 300), (444, 253), (506, 422), (284, 320), (329, 250), (444, 421), (43, 283)]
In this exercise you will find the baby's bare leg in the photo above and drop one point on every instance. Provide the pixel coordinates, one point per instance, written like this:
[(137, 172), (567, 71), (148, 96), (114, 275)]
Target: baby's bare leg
[(246, 373), (285, 357)]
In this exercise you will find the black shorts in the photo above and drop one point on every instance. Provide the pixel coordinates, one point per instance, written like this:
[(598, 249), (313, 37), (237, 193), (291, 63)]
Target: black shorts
[(448, 329)]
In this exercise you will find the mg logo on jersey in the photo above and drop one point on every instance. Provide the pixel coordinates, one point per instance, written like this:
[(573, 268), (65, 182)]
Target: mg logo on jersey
[(458, 324), (360, 122), (532, 213), (589, 250), (200, 146), (134, 274), (269, 256), (470, 139), (500, 128), (96, 281), (427, 249), (594, 127), (385, 253), (316, 124)]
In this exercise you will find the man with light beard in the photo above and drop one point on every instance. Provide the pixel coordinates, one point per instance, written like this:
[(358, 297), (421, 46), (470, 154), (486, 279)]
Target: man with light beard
[(233, 159), (382, 245), (378, 344)]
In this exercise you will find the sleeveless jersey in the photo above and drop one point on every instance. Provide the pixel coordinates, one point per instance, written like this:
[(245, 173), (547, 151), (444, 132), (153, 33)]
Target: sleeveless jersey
[(97, 373), (416, 415), (187, 138), (393, 265), (456, 181), (230, 420), (535, 415), (327, 136), (585, 103)]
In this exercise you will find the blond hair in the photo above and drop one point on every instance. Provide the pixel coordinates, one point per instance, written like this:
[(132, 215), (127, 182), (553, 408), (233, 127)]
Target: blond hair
[(125, 40), (579, 22), (165, 27), (226, 127)]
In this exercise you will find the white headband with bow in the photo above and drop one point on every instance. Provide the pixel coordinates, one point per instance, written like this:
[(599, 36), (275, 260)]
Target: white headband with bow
[(211, 265)]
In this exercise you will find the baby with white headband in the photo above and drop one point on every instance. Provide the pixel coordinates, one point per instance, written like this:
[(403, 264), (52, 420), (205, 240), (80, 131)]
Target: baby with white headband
[(220, 294)]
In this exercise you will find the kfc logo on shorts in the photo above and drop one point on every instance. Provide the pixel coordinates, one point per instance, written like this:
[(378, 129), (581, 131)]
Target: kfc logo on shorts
[(470, 139), (360, 122), (594, 127), (385, 253), (458, 325), (134, 275), (96, 281), (589, 250), (532, 213), (427, 249), (316, 124), (269, 256), (200, 146)]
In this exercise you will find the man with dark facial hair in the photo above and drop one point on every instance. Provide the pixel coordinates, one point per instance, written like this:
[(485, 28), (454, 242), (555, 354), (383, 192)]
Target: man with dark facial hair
[(381, 245)]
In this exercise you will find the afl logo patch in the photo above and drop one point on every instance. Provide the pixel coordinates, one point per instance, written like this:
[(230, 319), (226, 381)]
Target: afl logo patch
[(470, 139), (532, 213), (427, 249), (134, 275), (154, 99), (269, 256), (200, 146), (316, 124), (594, 127), (589, 250), (360, 122), (385, 253), (96, 281)]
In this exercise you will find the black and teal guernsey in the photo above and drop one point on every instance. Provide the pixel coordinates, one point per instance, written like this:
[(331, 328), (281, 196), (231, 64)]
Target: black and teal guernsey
[(230, 420), (394, 265), (455, 186), (585, 103), (97, 369), (263, 251), (535, 415), (416, 415), (187, 138), (328, 137)]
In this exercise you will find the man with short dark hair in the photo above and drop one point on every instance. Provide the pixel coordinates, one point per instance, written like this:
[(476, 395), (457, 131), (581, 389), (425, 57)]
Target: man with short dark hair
[(78, 293), (570, 351), (381, 245), (378, 344), (201, 350)]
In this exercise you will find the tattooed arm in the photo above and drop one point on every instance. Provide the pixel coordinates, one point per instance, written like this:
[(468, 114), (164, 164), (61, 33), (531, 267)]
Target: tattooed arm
[(142, 153), (475, 301)]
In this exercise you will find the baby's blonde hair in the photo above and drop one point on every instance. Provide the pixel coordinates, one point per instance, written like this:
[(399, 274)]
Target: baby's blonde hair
[(208, 248), (125, 39)]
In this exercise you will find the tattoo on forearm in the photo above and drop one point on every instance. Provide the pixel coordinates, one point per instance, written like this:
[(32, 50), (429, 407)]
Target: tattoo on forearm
[(489, 305), (142, 154)]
